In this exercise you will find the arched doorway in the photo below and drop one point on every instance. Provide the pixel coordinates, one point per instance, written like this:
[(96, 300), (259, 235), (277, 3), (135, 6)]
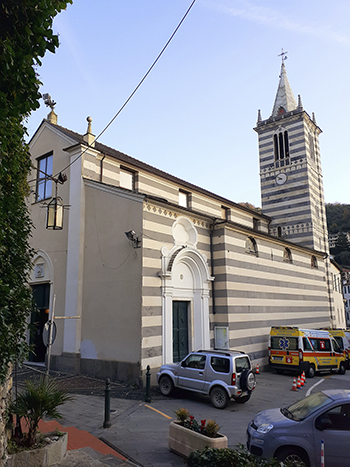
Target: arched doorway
[(40, 282), (185, 294)]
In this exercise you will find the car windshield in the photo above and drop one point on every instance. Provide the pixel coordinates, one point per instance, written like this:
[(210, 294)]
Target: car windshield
[(302, 409)]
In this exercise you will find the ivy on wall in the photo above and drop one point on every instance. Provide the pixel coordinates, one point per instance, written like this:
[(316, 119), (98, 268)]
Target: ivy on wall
[(25, 35)]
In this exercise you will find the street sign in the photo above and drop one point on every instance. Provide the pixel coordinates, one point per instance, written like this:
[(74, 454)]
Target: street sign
[(46, 333)]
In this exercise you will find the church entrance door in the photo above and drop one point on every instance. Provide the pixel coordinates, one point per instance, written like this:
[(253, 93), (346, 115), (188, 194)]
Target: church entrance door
[(180, 330), (38, 319)]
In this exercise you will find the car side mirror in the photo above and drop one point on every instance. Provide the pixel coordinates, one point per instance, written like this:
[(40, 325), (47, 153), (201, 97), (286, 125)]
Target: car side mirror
[(183, 364), (323, 424)]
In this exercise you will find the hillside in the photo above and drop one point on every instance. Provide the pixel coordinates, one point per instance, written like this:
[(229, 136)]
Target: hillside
[(338, 220), (338, 217)]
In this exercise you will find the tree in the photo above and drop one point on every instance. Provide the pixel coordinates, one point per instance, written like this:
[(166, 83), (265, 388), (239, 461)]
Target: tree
[(37, 401), (338, 217), (342, 244), (343, 258), (25, 35)]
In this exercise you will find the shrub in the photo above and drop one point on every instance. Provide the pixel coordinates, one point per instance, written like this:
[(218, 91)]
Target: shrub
[(182, 415), (212, 457), (36, 402), (211, 429), (186, 420)]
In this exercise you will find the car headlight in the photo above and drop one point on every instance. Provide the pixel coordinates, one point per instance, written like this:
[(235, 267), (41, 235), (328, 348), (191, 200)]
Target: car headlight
[(264, 428)]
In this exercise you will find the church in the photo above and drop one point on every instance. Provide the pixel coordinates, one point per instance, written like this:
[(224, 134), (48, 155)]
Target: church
[(148, 267)]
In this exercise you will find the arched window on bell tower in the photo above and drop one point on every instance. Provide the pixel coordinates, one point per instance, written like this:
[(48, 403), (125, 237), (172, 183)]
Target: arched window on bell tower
[(281, 148), (312, 147)]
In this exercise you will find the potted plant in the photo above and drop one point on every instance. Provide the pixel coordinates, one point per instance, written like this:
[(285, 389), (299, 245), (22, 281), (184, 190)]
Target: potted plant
[(187, 435), (36, 401)]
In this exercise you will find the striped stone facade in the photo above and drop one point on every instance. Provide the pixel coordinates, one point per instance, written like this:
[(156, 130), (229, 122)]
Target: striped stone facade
[(254, 290), (295, 205), (235, 271)]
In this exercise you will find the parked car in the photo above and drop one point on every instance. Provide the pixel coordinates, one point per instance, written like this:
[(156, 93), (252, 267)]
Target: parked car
[(295, 433), (220, 374)]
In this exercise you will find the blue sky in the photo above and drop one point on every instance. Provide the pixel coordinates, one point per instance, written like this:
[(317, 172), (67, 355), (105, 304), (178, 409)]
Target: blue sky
[(194, 115)]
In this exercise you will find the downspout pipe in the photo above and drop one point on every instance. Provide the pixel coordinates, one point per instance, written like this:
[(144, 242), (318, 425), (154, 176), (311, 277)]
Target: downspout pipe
[(101, 167), (212, 228)]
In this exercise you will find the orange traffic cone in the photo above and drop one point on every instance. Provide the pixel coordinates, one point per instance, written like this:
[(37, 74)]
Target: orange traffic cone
[(301, 380), (304, 378), (294, 387), (257, 372), (298, 383)]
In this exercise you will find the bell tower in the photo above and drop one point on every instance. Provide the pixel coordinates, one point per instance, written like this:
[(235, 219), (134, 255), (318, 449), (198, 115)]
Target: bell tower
[(290, 170)]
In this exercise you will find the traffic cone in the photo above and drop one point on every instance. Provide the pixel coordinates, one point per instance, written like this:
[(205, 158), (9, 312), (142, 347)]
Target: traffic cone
[(294, 387), (298, 383), (301, 380), (304, 377), (257, 372)]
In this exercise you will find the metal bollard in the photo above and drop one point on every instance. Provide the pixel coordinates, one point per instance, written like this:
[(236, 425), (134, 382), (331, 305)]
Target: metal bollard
[(148, 384), (107, 422)]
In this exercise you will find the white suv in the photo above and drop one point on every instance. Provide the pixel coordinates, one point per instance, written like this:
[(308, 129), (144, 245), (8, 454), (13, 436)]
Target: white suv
[(220, 374)]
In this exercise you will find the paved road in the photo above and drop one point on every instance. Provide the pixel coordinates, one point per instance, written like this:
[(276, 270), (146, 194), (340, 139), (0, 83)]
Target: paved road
[(140, 430)]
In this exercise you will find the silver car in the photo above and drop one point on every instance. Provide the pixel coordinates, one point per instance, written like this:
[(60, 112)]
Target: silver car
[(296, 433), (220, 374)]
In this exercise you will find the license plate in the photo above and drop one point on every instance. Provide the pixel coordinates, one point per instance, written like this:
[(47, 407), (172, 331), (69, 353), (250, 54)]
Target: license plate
[(278, 358)]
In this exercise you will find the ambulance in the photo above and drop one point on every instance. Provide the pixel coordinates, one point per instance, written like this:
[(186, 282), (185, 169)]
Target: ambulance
[(309, 350), (342, 337)]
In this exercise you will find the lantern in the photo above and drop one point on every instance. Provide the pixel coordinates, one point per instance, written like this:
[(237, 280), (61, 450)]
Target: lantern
[(55, 214)]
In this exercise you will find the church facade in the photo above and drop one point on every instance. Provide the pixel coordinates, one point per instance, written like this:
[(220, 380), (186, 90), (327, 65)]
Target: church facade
[(149, 266)]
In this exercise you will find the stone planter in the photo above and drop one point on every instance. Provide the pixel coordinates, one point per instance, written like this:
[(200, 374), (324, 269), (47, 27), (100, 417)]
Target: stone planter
[(183, 441), (41, 457)]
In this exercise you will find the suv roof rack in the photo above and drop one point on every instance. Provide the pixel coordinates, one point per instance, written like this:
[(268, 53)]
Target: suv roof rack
[(222, 351)]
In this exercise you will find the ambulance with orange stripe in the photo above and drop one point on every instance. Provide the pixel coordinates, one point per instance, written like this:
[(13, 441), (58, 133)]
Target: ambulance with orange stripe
[(309, 350), (342, 336)]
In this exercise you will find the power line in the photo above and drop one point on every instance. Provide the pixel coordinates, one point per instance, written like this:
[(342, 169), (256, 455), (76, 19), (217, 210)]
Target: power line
[(132, 94)]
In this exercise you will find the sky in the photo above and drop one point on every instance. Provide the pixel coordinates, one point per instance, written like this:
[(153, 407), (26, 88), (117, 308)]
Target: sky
[(194, 114)]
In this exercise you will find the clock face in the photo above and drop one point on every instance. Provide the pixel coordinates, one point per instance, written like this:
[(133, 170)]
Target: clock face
[(281, 178)]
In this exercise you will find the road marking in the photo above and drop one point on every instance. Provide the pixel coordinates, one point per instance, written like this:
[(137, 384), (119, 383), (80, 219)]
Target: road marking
[(312, 387), (158, 411)]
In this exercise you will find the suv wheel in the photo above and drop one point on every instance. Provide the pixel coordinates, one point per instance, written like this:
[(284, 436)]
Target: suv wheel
[(247, 380), (219, 397), (166, 385)]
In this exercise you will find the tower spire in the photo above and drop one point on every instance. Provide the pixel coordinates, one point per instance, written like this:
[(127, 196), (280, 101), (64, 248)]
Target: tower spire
[(285, 100)]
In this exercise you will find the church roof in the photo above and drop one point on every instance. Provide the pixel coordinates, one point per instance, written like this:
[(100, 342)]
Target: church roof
[(146, 167), (285, 100)]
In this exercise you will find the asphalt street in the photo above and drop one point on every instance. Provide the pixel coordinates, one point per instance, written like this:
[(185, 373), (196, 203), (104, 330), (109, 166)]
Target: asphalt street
[(139, 430)]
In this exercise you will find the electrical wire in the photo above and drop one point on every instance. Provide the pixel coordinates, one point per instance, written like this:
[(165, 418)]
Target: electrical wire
[(134, 91)]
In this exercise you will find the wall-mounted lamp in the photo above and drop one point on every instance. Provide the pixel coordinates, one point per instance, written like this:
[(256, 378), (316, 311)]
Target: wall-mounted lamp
[(54, 219), (55, 208), (131, 235)]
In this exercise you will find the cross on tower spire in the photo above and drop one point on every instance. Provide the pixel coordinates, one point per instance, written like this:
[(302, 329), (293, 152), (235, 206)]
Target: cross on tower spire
[(283, 55)]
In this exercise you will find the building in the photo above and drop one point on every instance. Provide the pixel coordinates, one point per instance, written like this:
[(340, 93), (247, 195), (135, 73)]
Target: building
[(149, 266), (339, 318), (346, 295), (333, 238)]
